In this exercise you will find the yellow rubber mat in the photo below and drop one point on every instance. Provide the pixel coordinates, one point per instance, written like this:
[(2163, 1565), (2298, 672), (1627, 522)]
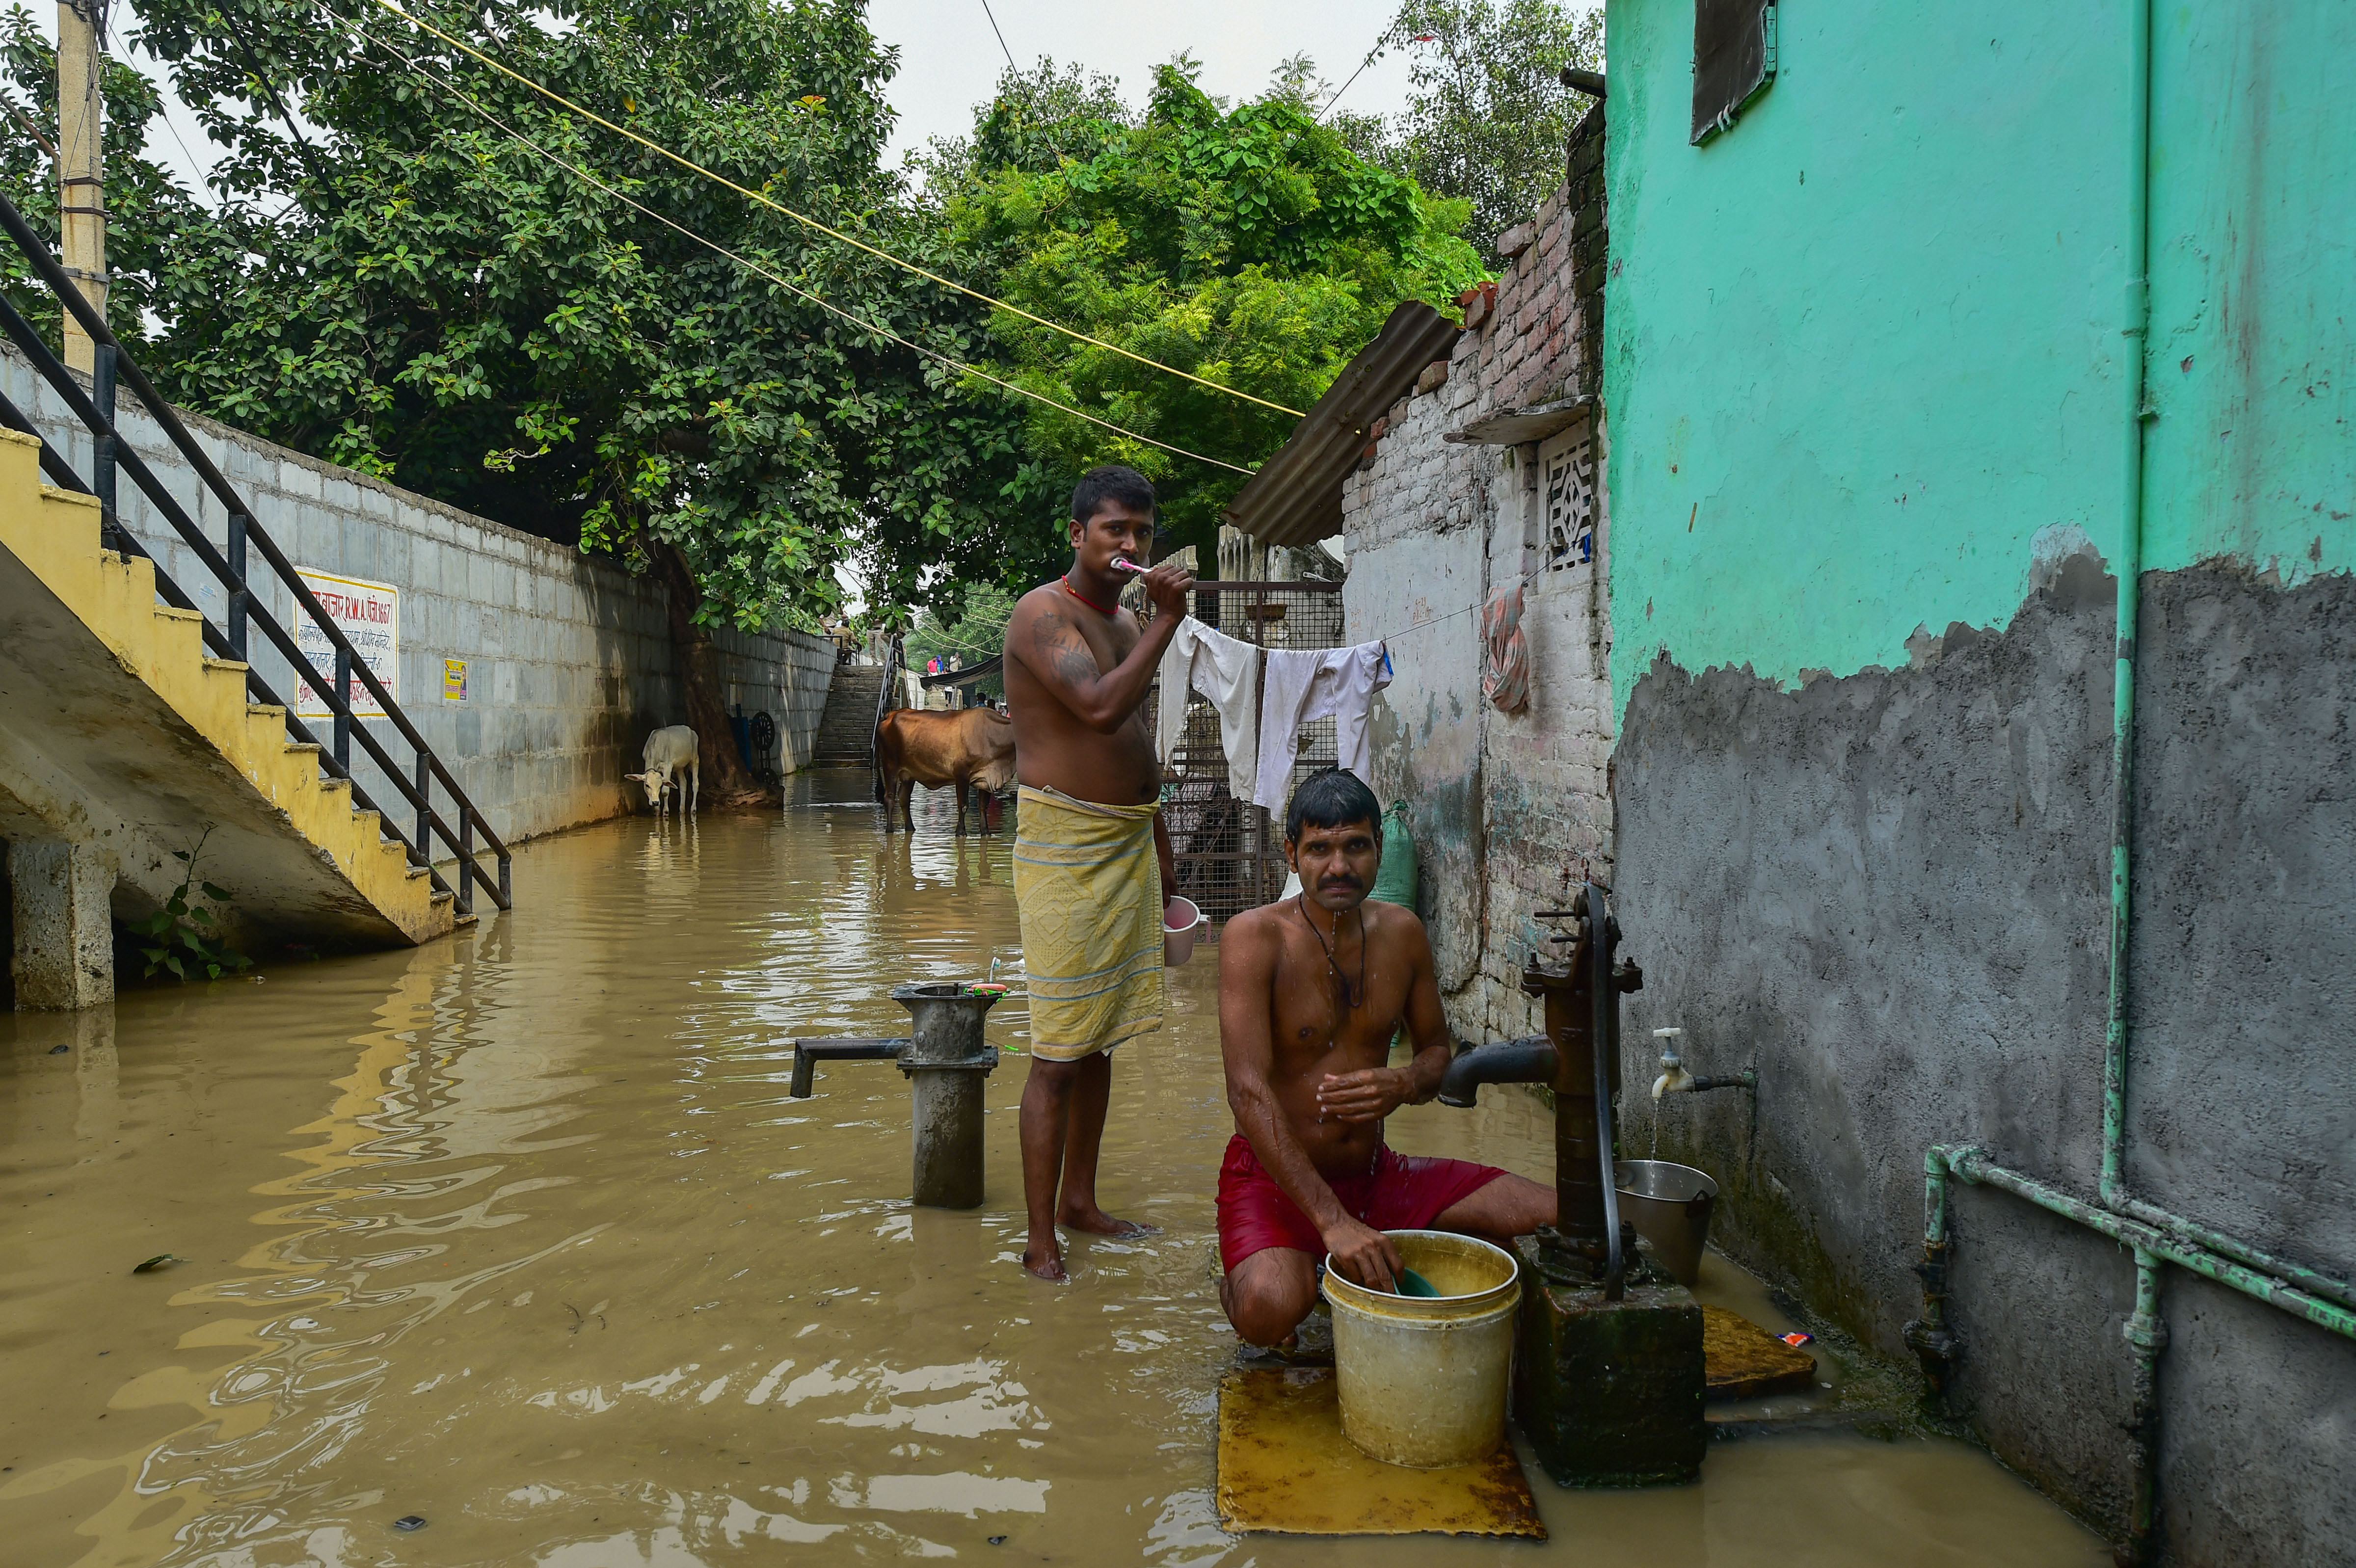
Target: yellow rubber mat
[(1284, 1466), (1744, 1359)]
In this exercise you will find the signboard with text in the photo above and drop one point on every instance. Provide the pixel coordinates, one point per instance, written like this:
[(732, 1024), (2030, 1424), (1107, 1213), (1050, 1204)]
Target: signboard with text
[(368, 614)]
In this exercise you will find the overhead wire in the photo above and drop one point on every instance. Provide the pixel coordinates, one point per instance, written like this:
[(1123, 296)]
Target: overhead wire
[(1002, 36), (269, 90), (1495, 589), (759, 268), (1373, 55), (25, 120), (828, 230)]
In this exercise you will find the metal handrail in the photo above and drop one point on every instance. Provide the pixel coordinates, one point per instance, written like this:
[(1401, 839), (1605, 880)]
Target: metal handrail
[(229, 570), (894, 662)]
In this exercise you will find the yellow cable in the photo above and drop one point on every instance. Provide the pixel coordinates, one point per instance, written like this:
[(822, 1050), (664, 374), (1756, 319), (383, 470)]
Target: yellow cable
[(591, 115), (753, 266)]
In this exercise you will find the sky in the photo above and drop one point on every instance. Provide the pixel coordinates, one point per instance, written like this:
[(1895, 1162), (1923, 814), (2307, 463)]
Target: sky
[(949, 59)]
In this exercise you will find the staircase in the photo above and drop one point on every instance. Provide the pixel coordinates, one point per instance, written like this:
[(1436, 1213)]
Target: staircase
[(132, 726), (119, 732), (846, 732)]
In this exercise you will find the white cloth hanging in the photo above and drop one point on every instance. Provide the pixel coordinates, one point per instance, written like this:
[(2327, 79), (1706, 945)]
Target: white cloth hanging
[(1297, 687), (1201, 659)]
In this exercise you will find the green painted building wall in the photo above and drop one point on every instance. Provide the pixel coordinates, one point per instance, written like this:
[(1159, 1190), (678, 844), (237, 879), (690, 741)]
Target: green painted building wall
[(2253, 453), (1862, 350), (1865, 370)]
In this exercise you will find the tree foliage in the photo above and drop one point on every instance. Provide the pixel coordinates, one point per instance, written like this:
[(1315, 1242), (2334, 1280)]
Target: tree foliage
[(1488, 119), (406, 288), (967, 633), (1246, 245), (453, 310), (165, 249), (439, 302)]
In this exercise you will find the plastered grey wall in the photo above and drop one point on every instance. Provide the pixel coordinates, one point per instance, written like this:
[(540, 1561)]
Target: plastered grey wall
[(569, 657), (1889, 894), (1504, 806)]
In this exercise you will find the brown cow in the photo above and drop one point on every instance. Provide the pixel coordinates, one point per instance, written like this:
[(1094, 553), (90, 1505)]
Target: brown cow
[(971, 746)]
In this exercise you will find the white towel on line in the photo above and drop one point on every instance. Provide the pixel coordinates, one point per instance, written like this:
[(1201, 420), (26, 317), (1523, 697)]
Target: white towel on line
[(1201, 659), (1297, 687)]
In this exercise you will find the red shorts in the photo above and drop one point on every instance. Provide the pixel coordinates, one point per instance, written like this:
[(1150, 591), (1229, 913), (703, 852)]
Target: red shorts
[(1400, 1193)]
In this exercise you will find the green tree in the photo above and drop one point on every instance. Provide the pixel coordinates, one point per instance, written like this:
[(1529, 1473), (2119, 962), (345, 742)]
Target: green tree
[(164, 247), (970, 632), (1488, 119), (1248, 245), (445, 306)]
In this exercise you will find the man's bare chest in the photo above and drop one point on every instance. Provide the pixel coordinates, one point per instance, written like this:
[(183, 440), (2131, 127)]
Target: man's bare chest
[(1319, 1005), (1111, 641)]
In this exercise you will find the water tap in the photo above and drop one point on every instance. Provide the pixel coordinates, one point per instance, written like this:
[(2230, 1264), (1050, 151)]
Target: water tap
[(1675, 1080), (1673, 1076)]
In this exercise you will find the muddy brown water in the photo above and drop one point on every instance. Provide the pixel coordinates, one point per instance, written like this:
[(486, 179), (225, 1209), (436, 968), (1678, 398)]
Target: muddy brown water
[(520, 1234)]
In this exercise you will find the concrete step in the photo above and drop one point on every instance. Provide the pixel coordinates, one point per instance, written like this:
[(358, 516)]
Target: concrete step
[(846, 730)]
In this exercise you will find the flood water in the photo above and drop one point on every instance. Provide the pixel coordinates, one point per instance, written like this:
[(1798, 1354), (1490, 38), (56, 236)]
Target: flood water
[(520, 1234)]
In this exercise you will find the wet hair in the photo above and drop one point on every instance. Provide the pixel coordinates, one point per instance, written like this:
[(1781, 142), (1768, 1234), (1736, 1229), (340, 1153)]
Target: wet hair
[(1112, 483), (1330, 797)]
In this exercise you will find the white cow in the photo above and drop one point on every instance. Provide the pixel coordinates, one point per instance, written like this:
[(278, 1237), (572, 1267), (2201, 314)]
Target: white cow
[(670, 751)]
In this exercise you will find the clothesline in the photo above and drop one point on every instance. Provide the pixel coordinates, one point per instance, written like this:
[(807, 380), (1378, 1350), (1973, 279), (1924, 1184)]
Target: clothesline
[(1515, 580), (1518, 578)]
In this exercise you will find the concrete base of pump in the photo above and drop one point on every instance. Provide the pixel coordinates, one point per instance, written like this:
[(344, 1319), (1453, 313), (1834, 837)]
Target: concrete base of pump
[(1610, 1392)]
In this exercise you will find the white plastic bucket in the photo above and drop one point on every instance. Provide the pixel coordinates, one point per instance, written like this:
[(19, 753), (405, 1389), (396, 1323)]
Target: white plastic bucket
[(1424, 1380), (1182, 922)]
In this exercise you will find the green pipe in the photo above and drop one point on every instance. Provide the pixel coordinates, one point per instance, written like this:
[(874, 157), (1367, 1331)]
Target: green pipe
[(2129, 567), (2147, 1333), (1973, 1166), (2297, 1275), (1929, 1336)]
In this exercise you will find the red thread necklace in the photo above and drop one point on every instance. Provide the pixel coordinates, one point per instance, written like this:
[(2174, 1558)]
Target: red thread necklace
[(1112, 609)]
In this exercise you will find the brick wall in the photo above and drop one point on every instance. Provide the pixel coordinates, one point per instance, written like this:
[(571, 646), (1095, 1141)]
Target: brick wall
[(1504, 807)]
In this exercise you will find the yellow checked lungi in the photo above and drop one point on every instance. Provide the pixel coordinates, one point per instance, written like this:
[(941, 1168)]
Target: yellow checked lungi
[(1088, 888)]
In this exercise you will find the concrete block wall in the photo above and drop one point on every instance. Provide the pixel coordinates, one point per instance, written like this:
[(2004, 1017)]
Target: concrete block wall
[(569, 657), (1504, 806)]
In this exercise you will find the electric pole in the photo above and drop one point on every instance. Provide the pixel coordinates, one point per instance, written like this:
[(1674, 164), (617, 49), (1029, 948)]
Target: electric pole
[(81, 195)]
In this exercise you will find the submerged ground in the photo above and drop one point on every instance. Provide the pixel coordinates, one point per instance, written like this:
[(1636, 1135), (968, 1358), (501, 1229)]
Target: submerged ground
[(520, 1235)]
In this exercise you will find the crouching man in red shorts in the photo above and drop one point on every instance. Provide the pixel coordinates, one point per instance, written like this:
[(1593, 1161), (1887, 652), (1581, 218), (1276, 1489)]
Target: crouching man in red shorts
[(1311, 992)]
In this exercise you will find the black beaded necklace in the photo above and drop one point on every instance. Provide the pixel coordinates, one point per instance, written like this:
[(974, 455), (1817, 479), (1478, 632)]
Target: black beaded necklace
[(1351, 1000)]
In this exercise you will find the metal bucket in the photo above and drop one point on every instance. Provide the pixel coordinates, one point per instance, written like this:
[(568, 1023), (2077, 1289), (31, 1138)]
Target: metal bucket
[(1423, 1380), (1670, 1205)]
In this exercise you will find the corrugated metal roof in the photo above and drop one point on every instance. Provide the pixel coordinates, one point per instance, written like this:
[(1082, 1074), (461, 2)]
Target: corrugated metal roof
[(1296, 496)]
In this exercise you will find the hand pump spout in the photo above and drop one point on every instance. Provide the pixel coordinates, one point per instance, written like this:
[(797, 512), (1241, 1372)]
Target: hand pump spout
[(1531, 1059)]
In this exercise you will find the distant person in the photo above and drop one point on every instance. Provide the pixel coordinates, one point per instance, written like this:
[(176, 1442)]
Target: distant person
[(1311, 989), (1091, 855)]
